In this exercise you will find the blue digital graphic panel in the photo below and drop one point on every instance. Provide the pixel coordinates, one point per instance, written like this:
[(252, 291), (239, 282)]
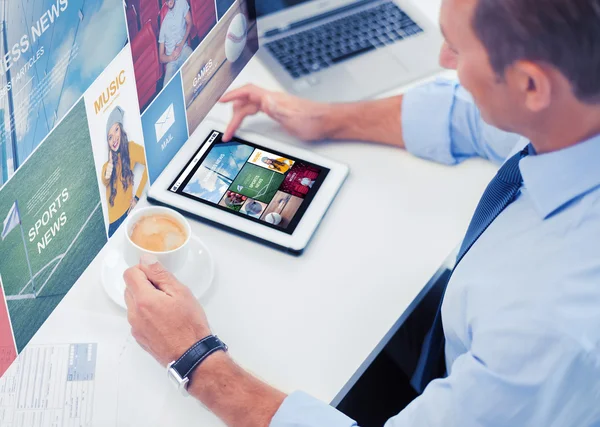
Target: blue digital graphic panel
[(165, 127)]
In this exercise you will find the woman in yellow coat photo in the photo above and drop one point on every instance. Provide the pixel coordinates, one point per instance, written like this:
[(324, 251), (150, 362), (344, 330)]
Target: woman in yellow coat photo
[(279, 164), (117, 172)]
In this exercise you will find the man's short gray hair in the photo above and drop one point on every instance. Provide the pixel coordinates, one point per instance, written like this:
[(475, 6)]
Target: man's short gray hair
[(562, 33)]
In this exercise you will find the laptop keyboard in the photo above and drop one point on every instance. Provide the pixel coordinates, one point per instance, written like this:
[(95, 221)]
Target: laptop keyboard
[(312, 50)]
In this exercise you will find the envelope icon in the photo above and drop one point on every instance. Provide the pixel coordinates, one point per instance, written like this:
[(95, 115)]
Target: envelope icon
[(165, 122)]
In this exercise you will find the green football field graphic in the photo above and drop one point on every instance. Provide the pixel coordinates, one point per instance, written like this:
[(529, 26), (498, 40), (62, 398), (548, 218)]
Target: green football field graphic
[(257, 183), (62, 222)]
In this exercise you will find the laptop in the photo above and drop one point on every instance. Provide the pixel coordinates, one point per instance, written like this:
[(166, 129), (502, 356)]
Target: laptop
[(345, 50)]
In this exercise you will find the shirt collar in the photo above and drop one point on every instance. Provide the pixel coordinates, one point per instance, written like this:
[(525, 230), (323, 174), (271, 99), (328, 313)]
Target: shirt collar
[(554, 179)]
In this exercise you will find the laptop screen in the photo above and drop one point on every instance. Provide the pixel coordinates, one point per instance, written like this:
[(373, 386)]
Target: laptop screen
[(266, 7)]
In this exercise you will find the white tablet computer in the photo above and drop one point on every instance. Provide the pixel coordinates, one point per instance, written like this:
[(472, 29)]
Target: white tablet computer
[(253, 185)]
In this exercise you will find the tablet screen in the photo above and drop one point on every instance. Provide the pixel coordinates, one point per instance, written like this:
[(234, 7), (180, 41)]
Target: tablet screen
[(250, 181)]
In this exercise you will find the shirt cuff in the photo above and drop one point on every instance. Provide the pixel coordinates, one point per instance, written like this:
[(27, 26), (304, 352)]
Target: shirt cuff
[(300, 409), (426, 121)]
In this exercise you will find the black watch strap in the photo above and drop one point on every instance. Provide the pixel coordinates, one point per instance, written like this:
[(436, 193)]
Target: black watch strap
[(196, 354)]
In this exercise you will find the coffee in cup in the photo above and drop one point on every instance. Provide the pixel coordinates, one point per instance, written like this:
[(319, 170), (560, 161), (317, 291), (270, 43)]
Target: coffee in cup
[(158, 233)]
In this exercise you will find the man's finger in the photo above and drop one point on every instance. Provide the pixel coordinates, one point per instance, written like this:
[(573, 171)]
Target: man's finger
[(129, 301), (239, 103), (239, 93), (249, 91), (137, 282), (158, 275), (131, 317), (237, 119)]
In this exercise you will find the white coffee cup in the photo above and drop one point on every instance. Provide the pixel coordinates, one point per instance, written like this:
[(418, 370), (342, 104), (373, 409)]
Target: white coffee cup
[(172, 260)]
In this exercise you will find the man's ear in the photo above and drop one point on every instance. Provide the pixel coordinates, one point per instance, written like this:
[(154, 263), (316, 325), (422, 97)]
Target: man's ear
[(448, 59), (533, 83)]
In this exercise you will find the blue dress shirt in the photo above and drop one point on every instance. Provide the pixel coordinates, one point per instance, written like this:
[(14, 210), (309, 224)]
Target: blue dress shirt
[(521, 313)]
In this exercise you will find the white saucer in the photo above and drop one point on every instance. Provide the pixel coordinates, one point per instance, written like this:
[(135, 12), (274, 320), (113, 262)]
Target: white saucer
[(198, 273)]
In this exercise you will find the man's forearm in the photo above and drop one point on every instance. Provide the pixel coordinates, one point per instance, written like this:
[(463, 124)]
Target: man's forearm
[(232, 394), (188, 26), (376, 121)]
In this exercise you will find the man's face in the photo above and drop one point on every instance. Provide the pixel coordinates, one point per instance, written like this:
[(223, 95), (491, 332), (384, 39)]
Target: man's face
[(170, 4), (463, 51)]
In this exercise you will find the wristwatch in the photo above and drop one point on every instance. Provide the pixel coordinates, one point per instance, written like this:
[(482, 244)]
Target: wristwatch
[(179, 370)]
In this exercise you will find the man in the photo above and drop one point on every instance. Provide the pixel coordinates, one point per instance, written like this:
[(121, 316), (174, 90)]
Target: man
[(521, 312), (173, 49)]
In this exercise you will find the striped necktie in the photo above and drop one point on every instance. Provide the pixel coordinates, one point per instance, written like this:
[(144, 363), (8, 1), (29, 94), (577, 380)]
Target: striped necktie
[(500, 193)]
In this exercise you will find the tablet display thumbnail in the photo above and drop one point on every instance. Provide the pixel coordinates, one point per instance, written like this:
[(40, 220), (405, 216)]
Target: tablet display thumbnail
[(233, 201), (282, 209), (218, 170), (299, 181), (253, 208), (259, 183), (271, 161), (244, 179)]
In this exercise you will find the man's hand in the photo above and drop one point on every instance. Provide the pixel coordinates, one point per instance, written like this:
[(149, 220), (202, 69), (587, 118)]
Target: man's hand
[(304, 119), (175, 55), (109, 167), (165, 317), (373, 121), (166, 320)]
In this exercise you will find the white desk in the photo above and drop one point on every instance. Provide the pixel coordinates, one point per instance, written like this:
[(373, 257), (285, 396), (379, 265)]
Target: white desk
[(304, 322)]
